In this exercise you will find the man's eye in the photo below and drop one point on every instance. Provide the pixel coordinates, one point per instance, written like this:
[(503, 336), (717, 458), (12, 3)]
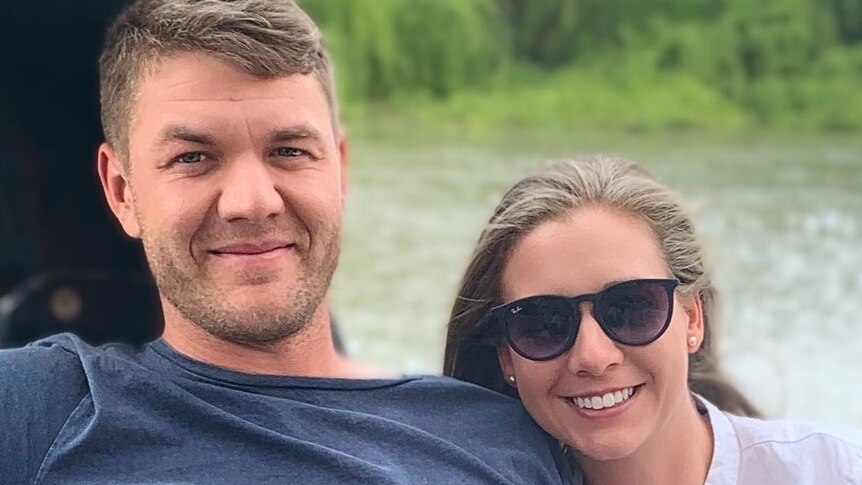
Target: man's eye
[(289, 152), (191, 158)]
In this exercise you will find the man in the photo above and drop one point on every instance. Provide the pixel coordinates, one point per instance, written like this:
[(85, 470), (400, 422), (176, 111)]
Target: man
[(224, 155)]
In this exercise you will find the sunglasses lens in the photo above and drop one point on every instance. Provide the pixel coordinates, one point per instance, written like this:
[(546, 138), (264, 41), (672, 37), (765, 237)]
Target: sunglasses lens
[(635, 312), (540, 328)]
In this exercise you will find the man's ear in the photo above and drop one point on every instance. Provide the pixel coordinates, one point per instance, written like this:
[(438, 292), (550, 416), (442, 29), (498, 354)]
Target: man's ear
[(118, 192), (695, 325), (343, 152)]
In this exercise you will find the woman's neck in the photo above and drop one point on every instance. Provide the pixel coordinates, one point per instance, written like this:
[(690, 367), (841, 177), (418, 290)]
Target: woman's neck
[(679, 452)]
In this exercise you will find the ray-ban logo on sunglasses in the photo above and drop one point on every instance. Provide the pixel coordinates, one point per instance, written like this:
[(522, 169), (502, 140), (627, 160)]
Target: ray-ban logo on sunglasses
[(515, 310)]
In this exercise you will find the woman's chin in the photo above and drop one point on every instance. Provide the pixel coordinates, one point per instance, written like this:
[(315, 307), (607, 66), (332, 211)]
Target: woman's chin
[(602, 447)]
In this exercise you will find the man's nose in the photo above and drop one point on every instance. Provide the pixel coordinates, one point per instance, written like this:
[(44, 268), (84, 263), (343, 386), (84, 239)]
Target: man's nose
[(594, 353), (249, 191)]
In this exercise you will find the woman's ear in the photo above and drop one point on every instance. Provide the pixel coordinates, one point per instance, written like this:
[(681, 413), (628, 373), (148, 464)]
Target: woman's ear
[(504, 356), (695, 323)]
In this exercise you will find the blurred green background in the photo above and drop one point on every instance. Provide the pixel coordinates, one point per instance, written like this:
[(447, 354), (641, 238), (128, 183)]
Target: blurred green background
[(622, 64), (752, 110)]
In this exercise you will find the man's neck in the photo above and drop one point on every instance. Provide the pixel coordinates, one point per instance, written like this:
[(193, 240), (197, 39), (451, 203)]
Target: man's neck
[(680, 452), (308, 353)]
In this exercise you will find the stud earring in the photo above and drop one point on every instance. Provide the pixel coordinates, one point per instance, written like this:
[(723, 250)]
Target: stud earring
[(692, 341), (512, 380)]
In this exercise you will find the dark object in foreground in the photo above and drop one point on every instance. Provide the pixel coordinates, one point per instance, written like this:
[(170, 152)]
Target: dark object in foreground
[(98, 306)]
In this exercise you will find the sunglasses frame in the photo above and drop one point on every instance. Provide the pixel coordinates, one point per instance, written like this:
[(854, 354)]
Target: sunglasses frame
[(498, 314)]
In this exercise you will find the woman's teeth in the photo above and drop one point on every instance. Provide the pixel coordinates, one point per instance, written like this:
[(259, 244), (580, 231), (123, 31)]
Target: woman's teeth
[(608, 400)]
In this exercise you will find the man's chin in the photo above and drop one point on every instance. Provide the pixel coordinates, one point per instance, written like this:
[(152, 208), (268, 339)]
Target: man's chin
[(230, 309), (245, 315), (254, 327), (255, 278)]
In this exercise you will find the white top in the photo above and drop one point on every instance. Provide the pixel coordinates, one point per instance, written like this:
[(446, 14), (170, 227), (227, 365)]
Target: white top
[(757, 452)]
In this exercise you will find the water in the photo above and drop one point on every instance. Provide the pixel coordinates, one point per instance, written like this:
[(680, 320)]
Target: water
[(782, 217)]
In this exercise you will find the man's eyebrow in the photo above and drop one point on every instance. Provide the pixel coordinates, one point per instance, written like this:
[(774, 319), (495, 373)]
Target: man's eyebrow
[(298, 132), (182, 133)]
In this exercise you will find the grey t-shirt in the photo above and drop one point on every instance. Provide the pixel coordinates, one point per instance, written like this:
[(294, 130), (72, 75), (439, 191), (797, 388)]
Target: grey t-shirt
[(73, 413)]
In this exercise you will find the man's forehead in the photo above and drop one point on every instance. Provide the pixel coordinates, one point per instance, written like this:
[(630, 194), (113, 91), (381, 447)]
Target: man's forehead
[(198, 77), (185, 88)]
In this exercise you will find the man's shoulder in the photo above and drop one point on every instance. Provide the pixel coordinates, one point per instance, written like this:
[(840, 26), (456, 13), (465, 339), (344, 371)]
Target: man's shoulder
[(492, 416), (58, 354), (480, 421), (46, 371), (40, 386), (450, 384), (465, 396)]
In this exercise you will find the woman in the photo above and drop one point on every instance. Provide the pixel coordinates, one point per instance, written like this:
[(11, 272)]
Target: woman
[(588, 298)]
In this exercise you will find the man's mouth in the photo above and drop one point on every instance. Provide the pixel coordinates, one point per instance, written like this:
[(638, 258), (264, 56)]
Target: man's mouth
[(250, 248)]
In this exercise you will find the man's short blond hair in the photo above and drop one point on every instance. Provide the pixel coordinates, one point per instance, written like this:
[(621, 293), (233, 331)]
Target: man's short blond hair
[(266, 38)]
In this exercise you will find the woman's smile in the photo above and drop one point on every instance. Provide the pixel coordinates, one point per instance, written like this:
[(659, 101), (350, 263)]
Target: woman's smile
[(604, 405)]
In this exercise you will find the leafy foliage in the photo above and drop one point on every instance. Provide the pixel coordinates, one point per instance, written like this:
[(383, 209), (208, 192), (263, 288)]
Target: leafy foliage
[(388, 47), (615, 63)]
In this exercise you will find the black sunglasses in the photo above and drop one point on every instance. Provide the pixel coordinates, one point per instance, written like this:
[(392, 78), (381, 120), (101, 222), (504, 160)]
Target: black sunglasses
[(543, 327)]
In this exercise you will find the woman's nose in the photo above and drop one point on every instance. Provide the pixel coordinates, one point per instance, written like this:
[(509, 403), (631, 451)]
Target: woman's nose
[(593, 352)]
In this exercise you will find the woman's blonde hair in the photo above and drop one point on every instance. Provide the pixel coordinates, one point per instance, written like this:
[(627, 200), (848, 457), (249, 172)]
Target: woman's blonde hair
[(472, 340)]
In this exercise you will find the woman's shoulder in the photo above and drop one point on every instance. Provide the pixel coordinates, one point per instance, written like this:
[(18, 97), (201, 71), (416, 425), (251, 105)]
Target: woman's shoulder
[(800, 452), (757, 432), (795, 435), (756, 451)]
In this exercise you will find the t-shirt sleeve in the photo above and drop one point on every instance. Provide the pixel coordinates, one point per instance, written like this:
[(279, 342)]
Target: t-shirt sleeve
[(39, 389), (497, 430)]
